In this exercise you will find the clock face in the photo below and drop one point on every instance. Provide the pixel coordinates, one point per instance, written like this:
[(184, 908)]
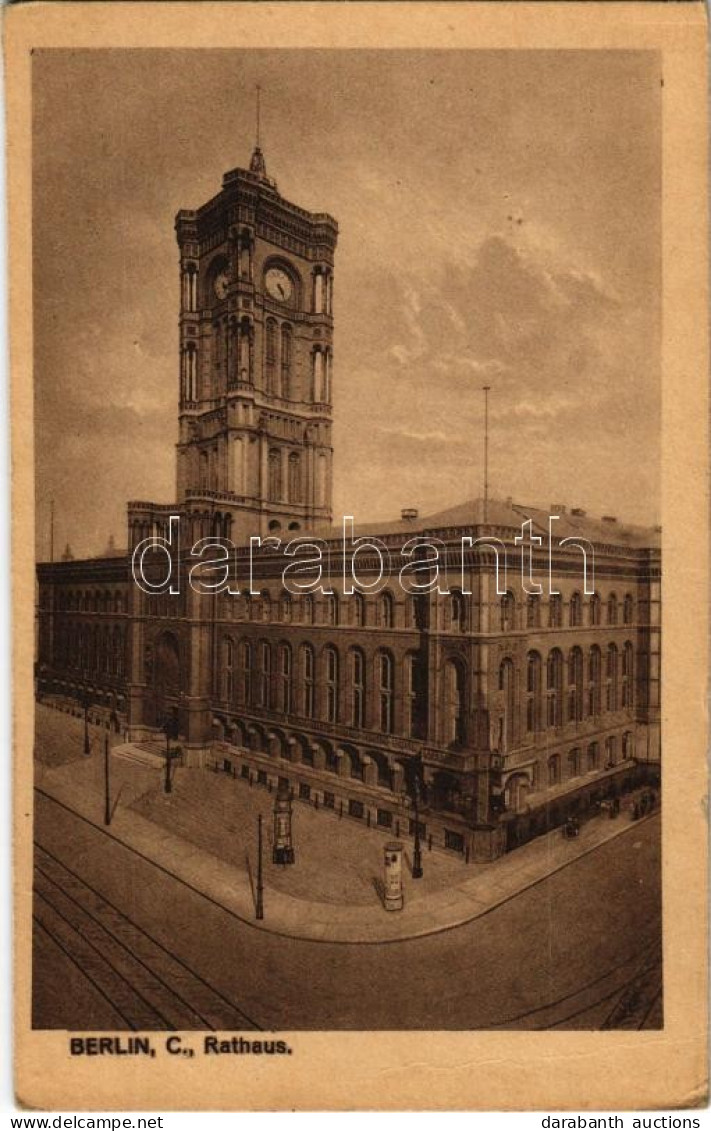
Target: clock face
[(221, 284), (278, 284)]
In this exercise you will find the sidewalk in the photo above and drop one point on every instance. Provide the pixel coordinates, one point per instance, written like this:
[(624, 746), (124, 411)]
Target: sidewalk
[(470, 891)]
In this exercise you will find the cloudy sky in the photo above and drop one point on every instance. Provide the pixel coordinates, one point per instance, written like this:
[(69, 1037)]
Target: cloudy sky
[(499, 217)]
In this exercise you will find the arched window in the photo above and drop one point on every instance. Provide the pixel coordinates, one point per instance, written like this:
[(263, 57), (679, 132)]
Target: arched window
[(628, 675), (593, 757), (386, 686), (555, 611), (611, 672), (357, 610), (415, 684), (307, 670), (331, 671), (266, 605), (458, 611), (245, 658), (118, 652), (595, 607), (612, 609), (574, 763), (454, 703), (533, 692), (332, 609), (307, 609), (274, 474), (357, 688), (318, 291), (575, 685), (317, 376), (575, 611), (610, 751), (295, 477), (594, 665), (554, 688), (554, 770), (265, 674), (285, 678), (628, 609), (507, 612), (286, 607), (271, 356), (245, 349), (385, 610), (228, 670), (533, 611), (286, 352), (627, 746), (506, 684), (411, 611)]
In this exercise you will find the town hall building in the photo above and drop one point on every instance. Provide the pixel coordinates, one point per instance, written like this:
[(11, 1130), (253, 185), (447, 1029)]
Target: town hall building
[(517, 707)]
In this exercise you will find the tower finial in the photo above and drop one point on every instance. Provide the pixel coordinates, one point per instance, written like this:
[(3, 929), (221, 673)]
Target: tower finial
[(257, 164)]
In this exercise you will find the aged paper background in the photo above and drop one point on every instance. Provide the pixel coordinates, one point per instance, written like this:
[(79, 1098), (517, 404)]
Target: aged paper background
[(452, 1070)]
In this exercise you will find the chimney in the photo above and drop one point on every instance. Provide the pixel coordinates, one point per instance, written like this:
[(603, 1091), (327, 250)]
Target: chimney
[(409, 514), (578, 512), (609, 518)]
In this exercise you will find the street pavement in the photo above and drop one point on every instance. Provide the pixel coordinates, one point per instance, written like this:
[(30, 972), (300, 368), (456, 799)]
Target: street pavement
[(578, 948), (204, 833)]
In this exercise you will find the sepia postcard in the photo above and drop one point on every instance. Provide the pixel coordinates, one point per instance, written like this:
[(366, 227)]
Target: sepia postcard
[(359, 420)]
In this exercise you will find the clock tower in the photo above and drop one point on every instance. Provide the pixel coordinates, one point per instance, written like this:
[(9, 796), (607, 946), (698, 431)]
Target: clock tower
[(256, 359)]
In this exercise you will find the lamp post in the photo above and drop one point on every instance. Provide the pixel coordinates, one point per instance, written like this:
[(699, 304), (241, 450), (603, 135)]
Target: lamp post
[(414, 779), (107, 789), (260, 884), (417, 852), (85, 702), (171, 730)]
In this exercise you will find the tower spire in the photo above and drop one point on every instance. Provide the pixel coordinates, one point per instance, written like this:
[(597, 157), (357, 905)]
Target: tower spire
[(257, 164)]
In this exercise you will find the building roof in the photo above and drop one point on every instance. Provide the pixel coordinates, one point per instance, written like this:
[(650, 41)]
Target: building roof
[(508, 513)]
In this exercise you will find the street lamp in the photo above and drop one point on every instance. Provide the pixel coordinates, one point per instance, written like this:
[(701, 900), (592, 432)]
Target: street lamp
[(107, 790), (417, 853), (171, 729), (414, 778), (260, 885), (85, 703)]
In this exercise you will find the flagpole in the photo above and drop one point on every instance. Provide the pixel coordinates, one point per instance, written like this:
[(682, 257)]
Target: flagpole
[(485, 389)]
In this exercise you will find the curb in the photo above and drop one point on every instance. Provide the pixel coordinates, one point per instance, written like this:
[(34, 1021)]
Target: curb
[(415, 934)]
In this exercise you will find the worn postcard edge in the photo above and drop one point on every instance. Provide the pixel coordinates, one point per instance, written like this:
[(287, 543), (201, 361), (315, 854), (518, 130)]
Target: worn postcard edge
[(419, 1070)]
